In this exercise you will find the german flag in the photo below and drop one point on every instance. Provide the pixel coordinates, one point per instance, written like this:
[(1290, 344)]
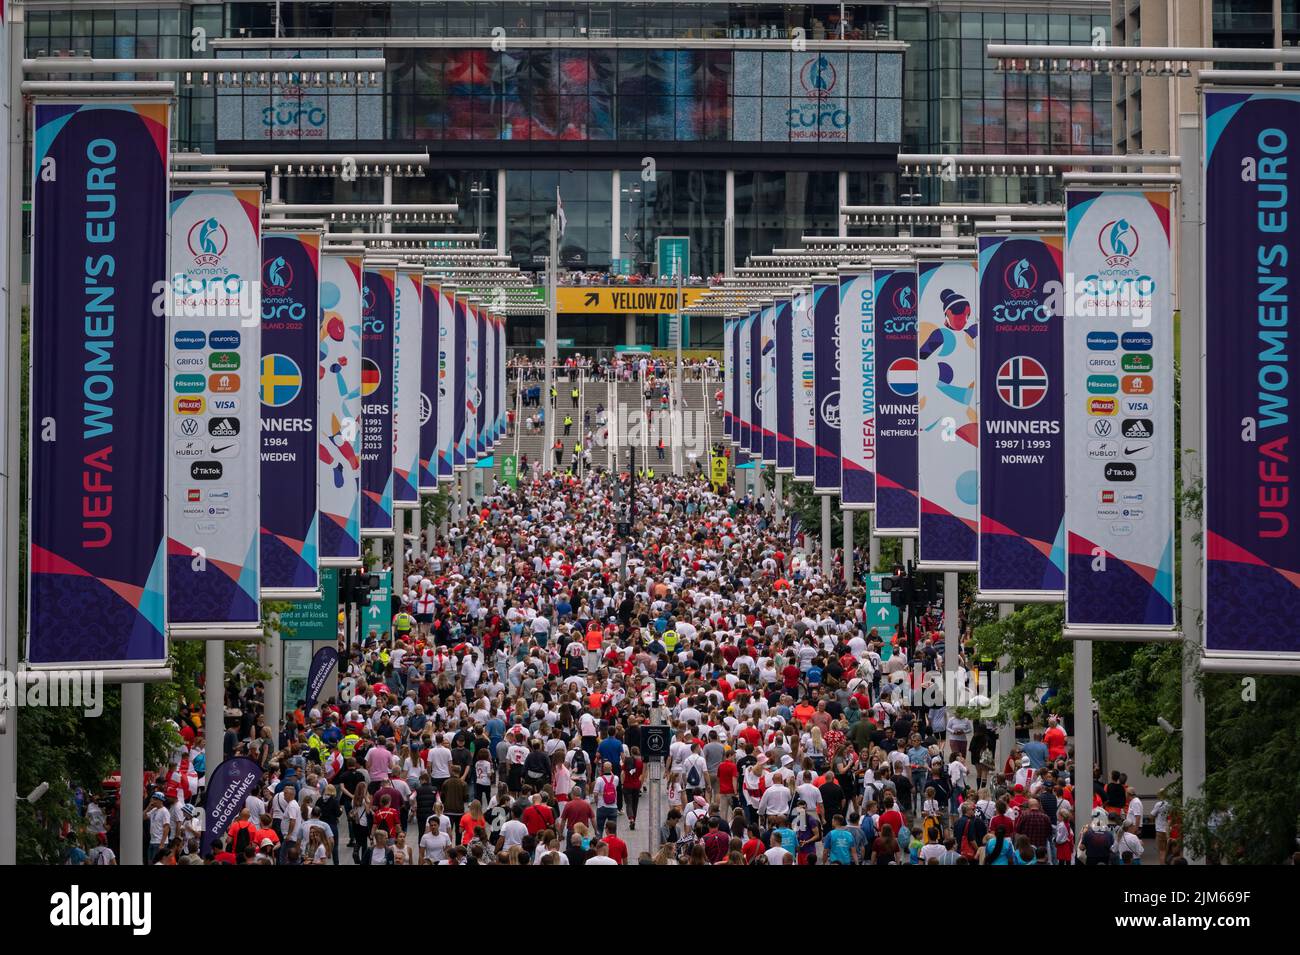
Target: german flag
[(370, 377)]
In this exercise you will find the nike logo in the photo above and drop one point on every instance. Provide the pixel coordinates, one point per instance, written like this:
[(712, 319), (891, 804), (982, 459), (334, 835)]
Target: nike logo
[(216, 450), (1140, 447)]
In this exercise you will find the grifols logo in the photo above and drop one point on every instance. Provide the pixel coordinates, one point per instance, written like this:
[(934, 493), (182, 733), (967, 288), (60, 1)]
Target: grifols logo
[(207, 241)]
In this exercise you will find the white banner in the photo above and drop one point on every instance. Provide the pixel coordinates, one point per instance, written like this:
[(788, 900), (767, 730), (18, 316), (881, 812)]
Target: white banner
[(858, 389), (767, 339), (1119, 411), (214, 346), (947, 362), (745, 409), (407, 323), (339, 471)]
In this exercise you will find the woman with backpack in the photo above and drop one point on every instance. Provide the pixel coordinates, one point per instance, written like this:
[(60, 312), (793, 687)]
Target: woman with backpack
[(362, 821), (633, 771)]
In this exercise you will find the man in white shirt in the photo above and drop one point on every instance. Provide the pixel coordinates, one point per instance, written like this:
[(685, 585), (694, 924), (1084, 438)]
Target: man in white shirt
[(434, 842), (778, 855)]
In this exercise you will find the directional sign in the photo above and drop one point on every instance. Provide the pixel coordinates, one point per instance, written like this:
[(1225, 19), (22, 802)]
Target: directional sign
[(509, 470), (654, 742), (314, 619), (881, 614), (378, 615), (613, 300)]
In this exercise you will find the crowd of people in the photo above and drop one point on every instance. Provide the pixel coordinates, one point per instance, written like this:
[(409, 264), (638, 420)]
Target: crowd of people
[(579, 277), (530, 372), (502, 717)]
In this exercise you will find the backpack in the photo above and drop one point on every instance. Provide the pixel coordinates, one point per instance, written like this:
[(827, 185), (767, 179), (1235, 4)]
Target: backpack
[(968, 849), (579, 763), (611, 792), (693, 780), (868, 826)]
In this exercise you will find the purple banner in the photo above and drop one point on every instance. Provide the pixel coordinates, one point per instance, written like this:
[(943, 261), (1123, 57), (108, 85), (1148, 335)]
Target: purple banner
[(458, 371), (755, 396), (98, 387), (1252, 431), (826, 357), (803, 374), (290, 336), (784, 386), (377, 299), (897, 502), (430, 343), (479, 428), (232, 782), (728, 373), (339, 410), (1021, 389), (326, 659)]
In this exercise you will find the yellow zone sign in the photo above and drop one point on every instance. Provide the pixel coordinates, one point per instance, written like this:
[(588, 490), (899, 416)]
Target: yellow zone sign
[(611, 300)]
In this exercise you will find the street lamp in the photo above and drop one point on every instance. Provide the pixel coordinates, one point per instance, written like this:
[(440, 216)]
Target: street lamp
[(479, 191)]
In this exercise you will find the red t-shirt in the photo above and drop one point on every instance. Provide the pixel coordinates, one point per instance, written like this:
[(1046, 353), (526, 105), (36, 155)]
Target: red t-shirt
[(727, 773), (577, 811), (790, 676), (750, 735), (617, 849), (1006, 821), (1055, 740), (894, 819), (538, 817)]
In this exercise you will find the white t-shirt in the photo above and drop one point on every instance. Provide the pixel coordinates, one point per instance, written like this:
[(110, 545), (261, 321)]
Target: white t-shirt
[(513, 832), (157, 819), (600, 860), (435, 845), (776, 855)]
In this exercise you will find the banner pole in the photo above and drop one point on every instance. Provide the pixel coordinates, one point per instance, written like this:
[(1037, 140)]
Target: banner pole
[(214, 706), (873, 545), (847, 517), (11, 289), (399, 551), (1189, 304), (826, 535), (273, 694), (1006, 729), (130, 792), (1084, 757), (951, 633)]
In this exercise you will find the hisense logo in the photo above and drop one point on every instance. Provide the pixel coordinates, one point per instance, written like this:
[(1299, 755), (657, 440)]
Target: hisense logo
[(87, 909)]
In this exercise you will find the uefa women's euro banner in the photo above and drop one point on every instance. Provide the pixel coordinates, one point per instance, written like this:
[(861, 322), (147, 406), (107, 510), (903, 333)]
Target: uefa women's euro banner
[(826, 357), (446, 381), (858, 376), (214, 476), (947, 437), (804, 373), (755, 396), (99, 437), (378, 302), (784, 386), (729, 375), (897, 510), (408, 323), (1119, 450), (288, 390), (430, 381), (1251, 269), (744, 381), (339, 413), (1021, 395)]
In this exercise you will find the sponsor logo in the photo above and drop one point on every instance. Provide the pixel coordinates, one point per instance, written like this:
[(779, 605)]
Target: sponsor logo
[(205, 527), (187, 427), (224, 449), (1103, 364), (1103, 341), (1101, 406), (1138, 362), (189, 405), (1137, 428), (223, 427), (901, 376), (1106, 496), (1022, 382), (194, 510), (188, 339), (192, 495), (188, 384), (277, 275), (190, 361), (223, 383), (1102, 450), (1137, 341), (1102, 384), (207, 241), (188, 449), (830, 409), (1141, 451), (1132, 513), (223, 405), (1121, 528), (224, 338), (1118, 241), (224, 361), (1102, 428), (206, 470), (219, 495), (218, 510), (1107, 513), (1133, 497), (1121, 471), (1137, 384), (1137, 406)]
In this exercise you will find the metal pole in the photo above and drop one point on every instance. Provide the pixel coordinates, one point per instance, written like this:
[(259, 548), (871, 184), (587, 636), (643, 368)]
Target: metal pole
[(909, 550), (11, 310), (779, 497), (548, 353), (847, 517), (131, 789), (417, 534), (1189, 302), (873, 545), (951, 634), (399, 551), (1007, 729), (214, 705), (678, 423), (826, 536), (1084, 757), (273, 701)]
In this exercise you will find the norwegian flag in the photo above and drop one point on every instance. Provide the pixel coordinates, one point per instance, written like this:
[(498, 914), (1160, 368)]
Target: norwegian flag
[(1022, 382)]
